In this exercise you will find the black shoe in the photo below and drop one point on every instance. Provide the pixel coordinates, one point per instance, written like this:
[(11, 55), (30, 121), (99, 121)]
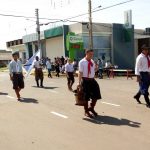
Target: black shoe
[(148, 105), (137, 99), (87, 114), (93, 111)]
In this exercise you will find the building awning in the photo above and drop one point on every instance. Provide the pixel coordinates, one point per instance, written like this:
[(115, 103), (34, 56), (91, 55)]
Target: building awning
[(53, 32), (32, 37)]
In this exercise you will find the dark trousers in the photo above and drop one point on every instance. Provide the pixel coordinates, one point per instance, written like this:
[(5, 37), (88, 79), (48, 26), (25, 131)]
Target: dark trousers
[(39, 76), (49, 73), (100, 73), (70, 79), (144, 86)]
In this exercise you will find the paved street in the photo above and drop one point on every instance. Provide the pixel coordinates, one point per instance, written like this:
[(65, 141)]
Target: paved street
[(47, 119)]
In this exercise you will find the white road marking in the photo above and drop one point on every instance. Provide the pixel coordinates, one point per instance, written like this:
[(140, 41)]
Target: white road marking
[(53, 91), (110, 104), (58, 114), (10, 97)]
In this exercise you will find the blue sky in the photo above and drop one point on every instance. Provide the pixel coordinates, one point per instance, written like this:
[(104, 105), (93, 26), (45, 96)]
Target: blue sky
[(14, 28)]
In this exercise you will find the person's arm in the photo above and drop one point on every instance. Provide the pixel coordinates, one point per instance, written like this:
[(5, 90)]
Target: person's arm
[(137, 65), (10, 71), (80, 77), (80, 72)]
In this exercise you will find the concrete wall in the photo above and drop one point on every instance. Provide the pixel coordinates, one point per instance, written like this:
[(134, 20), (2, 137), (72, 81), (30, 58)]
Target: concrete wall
[(77, 28), (54, 47), (98, 27)]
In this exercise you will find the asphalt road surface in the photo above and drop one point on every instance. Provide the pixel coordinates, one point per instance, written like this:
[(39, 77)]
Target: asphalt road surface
[(47, 118)]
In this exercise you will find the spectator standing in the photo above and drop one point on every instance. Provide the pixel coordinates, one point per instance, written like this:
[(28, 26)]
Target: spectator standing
[(70, 74), (49, 67)]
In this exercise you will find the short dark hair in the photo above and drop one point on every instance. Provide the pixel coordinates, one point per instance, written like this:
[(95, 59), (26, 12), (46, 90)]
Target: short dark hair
[(144, 46), (88, 50), (15, 53)]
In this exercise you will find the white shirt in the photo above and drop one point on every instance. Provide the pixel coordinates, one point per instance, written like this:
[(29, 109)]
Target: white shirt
[(83, 67), (107, 64), (141, 64), (15, 66), (48, 65), (69, 67), (37, 64)]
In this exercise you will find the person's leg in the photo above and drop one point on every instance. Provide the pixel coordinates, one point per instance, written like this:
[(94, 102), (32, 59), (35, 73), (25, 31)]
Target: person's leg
[(72, 81), (37, 77), (16, 85), (37, 82), (87, 113), (107, 73), (68, 83), (41, 84), (144, 85), (91, 108), (48, 73), (20, 83), (137, 96), (17, 93)]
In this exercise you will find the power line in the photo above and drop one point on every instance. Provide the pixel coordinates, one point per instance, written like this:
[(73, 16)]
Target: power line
[(67, 19), (26, 17), (100, 9)]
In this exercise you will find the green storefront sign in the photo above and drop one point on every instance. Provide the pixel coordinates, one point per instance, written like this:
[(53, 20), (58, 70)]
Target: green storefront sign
[(74, 43)]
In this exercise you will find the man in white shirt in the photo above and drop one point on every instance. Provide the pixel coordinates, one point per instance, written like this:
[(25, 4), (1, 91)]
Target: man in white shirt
[(69, 72), (88, 83), (142, 71), (16, 74), (49, 67), (38, 71)]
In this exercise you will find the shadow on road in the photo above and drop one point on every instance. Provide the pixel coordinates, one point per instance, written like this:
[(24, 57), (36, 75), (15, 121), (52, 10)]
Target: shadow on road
[(29, 100), (50, 88), (113, 121), (45, 87), (1, 93)]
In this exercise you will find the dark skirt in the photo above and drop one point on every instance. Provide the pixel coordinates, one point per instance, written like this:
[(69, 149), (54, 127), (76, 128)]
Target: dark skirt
[(91, 89), (17, 81), (38, 74)]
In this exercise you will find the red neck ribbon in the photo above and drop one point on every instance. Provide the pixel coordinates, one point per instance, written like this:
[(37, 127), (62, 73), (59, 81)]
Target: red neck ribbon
[(89, 66), (148, 61)]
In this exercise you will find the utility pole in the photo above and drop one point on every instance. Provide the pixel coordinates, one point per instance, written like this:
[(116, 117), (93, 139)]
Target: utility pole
[(90, 26), (38, 29)]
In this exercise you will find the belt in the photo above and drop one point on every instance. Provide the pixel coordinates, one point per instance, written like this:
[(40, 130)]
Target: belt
[(145, 72), (85, 78), (17, 72)]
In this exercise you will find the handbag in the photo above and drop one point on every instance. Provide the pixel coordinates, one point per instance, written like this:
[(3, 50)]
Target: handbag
[(79, 96)]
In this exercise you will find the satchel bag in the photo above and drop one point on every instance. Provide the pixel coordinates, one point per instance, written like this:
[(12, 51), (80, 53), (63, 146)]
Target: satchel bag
[(79, 96)]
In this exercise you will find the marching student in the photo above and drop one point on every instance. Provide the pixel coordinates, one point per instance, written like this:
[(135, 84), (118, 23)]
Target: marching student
[(16, 74), (38, 72), (69, 68), (142, 71), (88, 83)]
